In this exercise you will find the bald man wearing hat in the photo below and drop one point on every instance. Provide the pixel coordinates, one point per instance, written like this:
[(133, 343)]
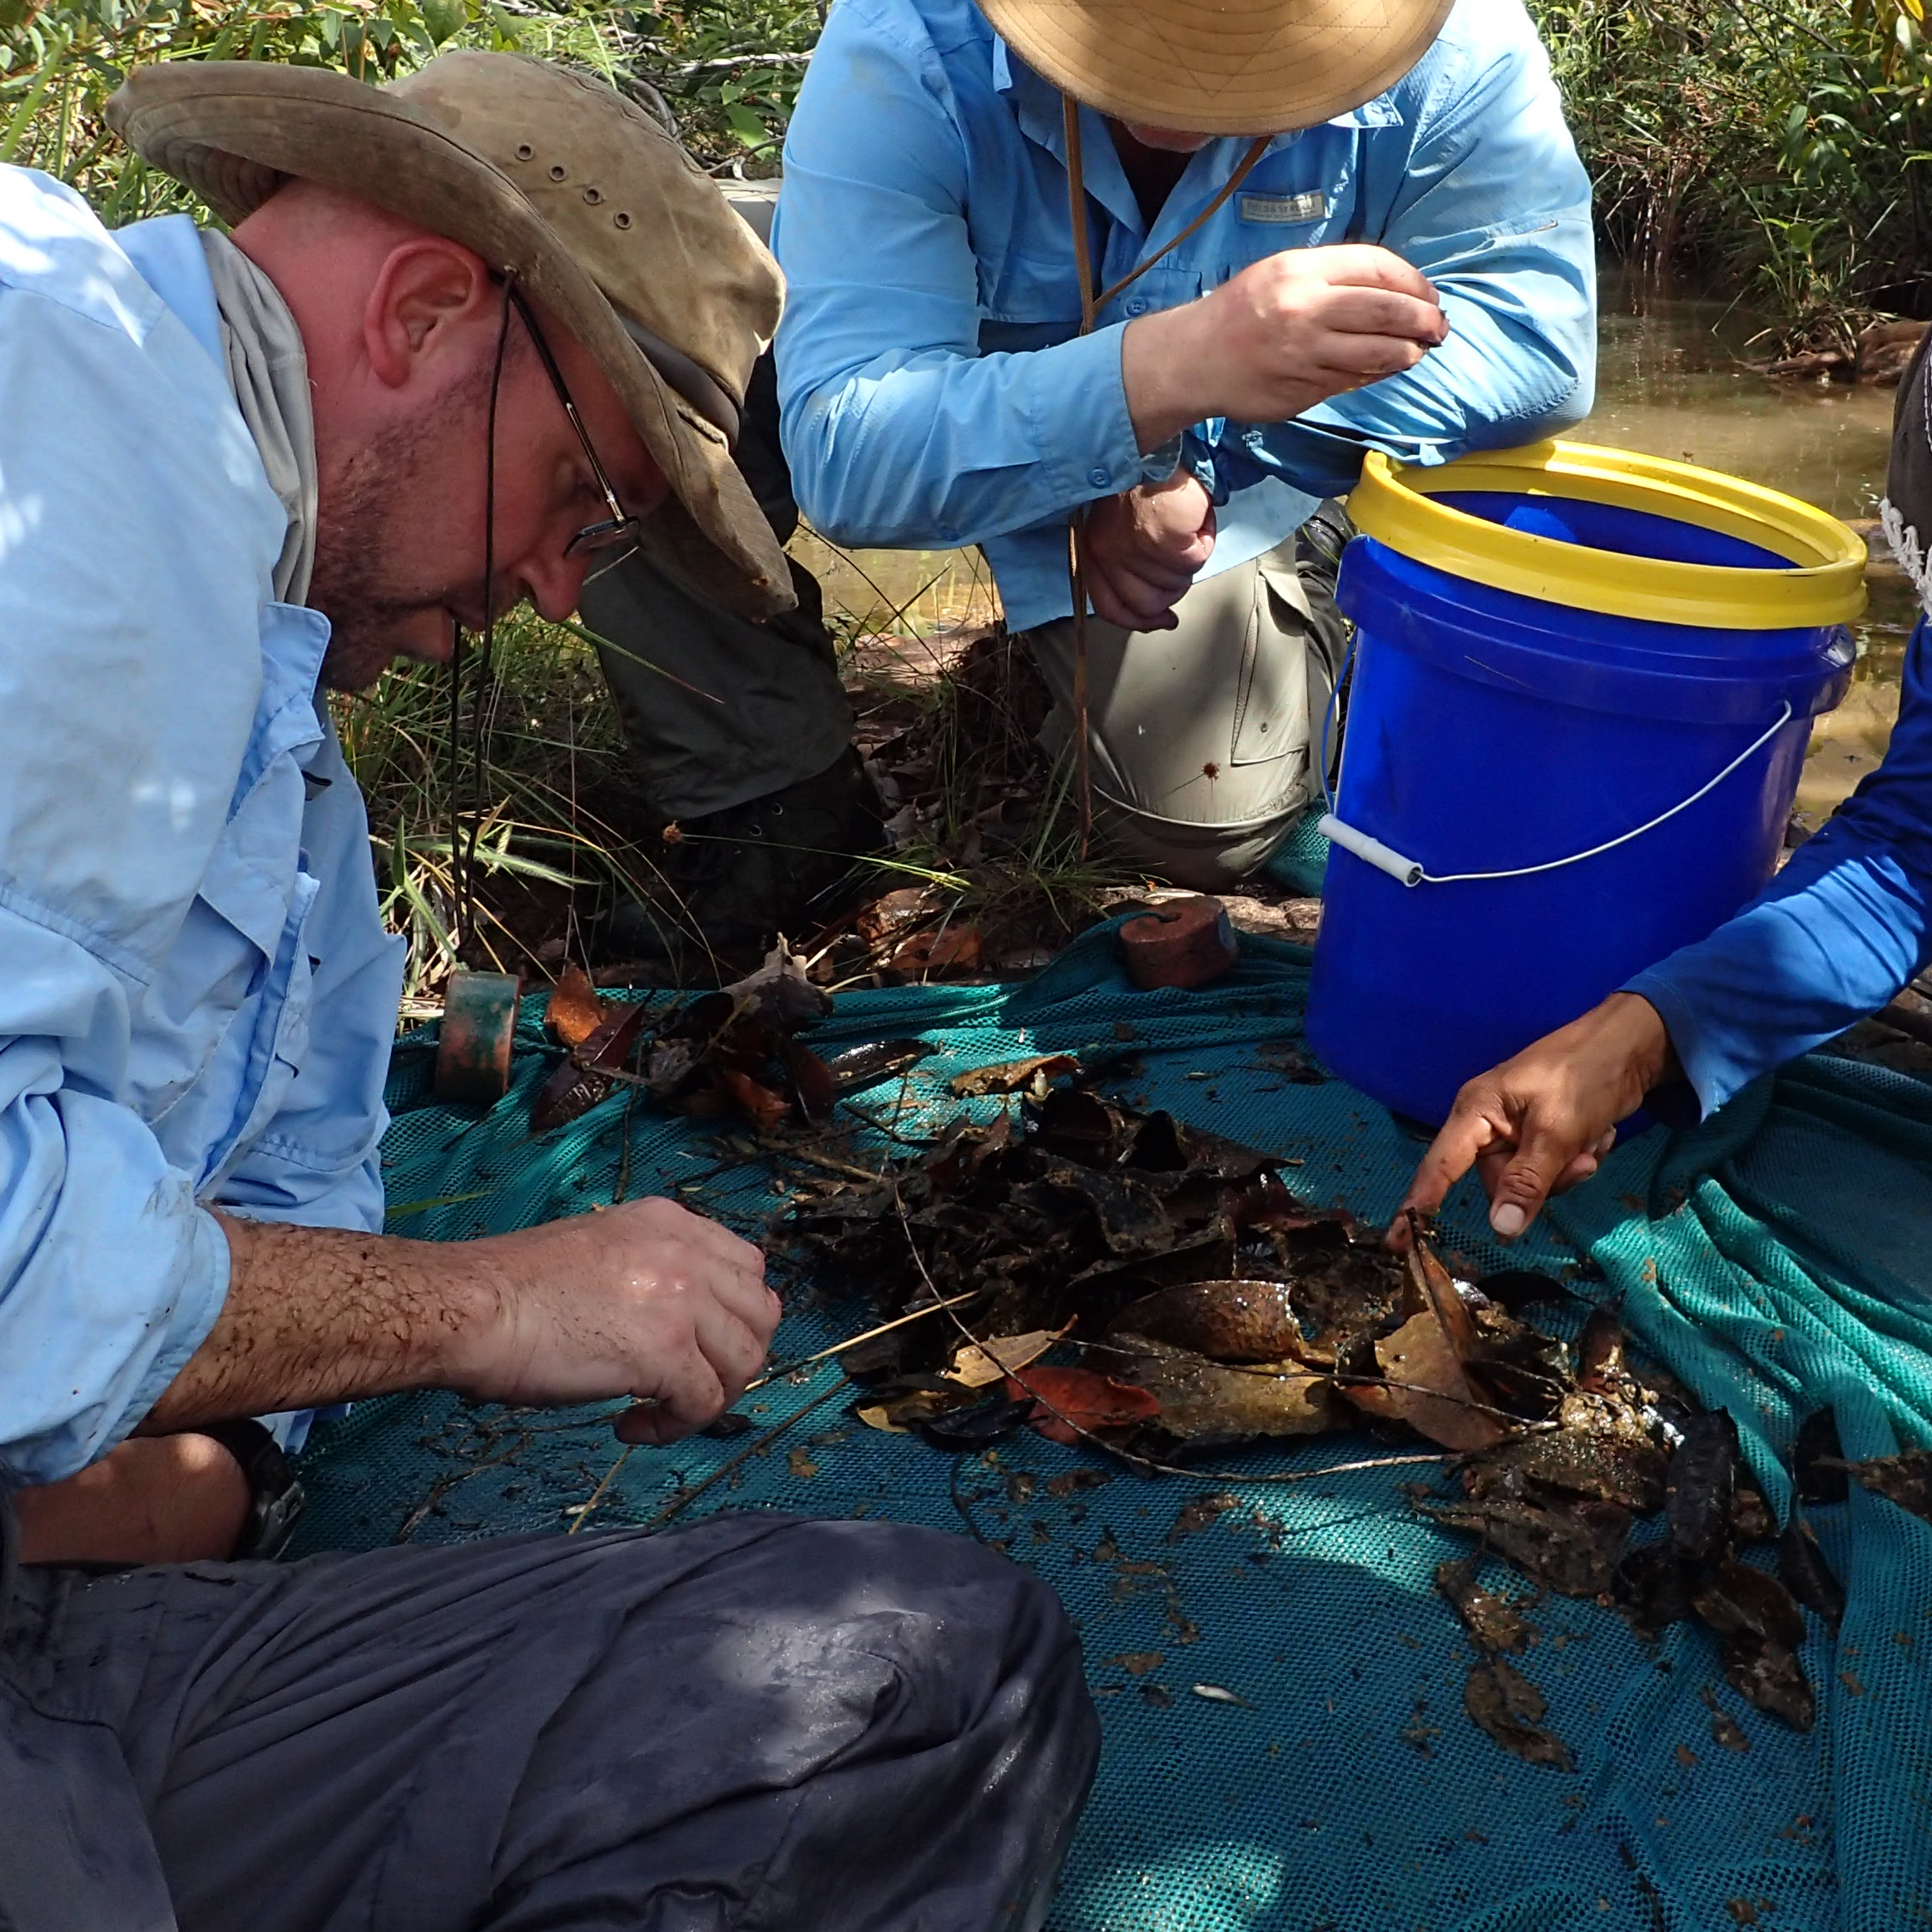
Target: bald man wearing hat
[(1308, 228), (472, 336)]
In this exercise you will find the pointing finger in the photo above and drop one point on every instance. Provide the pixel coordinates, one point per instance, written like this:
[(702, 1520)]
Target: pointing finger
[(1468, 1132)]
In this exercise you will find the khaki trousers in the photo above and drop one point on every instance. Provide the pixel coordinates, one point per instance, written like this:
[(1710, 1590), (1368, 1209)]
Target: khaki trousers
[(1199, 737)]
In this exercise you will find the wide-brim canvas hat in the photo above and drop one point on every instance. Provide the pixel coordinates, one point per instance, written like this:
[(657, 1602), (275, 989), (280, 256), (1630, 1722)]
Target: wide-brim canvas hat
[(557, 179), (1220, 67)]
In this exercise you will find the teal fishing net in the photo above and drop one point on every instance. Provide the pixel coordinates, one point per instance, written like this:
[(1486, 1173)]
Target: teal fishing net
[(1280, 1687)]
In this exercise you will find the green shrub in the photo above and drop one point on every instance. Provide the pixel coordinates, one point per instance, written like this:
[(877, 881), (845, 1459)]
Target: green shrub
[(1774, 146)]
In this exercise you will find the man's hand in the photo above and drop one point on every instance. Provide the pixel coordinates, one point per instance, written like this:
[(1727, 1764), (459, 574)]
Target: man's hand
[(646, 1299), (1284, 335), (1543, 1121), (1143, 550)]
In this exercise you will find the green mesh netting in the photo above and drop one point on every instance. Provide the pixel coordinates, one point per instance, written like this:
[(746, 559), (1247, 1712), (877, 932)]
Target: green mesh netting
[(1301, 861), (1778, 1258)]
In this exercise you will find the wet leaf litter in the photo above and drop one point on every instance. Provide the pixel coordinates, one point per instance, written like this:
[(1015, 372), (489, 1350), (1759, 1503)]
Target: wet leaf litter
[(734, 1054), (1114, 1280), (1189, 1305)]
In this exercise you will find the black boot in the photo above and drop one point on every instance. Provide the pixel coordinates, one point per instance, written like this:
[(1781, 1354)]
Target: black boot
[(729, 882)]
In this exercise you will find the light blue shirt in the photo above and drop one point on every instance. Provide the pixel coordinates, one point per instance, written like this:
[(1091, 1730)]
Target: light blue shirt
[(196, 995), (933, 385)]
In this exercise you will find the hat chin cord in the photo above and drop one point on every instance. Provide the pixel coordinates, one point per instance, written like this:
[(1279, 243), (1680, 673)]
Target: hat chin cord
[(462, 846), (1091, 304)]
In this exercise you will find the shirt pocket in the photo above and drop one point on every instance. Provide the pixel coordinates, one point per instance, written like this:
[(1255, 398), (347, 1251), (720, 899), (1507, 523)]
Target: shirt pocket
[(1042, 291), (223, 1023), (227, 1017), (1272, 715)]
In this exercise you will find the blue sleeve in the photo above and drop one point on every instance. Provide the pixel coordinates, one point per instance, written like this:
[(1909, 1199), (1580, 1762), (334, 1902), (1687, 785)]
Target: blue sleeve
[(928, 442), (1487, 198), (1832, 938), (132, 570)]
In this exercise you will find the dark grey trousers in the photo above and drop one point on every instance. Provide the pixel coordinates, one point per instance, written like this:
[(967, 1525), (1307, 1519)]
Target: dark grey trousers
[(754, 1722)]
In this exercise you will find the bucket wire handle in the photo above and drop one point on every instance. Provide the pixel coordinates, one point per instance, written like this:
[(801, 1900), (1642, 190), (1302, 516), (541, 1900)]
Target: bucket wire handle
[(1335, 692), (1409, 872)]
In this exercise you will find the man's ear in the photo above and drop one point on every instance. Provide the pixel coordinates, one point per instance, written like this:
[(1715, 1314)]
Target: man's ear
[(428, 303)]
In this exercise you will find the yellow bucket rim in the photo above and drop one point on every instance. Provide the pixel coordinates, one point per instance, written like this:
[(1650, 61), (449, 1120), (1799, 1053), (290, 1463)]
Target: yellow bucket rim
[(1824, 585)]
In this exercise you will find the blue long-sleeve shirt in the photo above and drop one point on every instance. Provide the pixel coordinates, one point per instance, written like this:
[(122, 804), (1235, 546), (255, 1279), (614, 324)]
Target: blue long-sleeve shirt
[(196, 995), (1837, 933), (934, 388)]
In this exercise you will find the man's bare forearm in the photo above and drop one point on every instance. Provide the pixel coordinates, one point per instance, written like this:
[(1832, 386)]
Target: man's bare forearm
[(316, 1316), (645, 1299)]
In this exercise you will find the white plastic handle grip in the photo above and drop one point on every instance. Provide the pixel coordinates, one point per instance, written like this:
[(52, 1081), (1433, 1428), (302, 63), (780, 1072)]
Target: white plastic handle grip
[(1403, 871)]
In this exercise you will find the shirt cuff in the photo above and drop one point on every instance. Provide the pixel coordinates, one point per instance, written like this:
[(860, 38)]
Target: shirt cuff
[(1157, 465), (1080, 424), (1709, 1070)]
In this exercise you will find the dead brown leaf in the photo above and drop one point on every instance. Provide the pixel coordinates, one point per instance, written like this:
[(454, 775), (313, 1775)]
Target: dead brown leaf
[(1494, 1623), (1227, 1322), (779, 991), (950, 949), (1438, 1399), (1905, 1480), (764, 1109), (575, 1012), (1067, 1400), (1509, 1710), (579, 1084), (1011, 1076), (980, 1365), (888, 916), (1205, 1402)]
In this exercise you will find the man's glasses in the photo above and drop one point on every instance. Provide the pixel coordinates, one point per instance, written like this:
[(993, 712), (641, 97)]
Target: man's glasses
[(606, 543)]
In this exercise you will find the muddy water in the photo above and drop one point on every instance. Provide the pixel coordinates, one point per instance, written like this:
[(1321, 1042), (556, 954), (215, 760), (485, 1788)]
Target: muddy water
[(1669, 384)]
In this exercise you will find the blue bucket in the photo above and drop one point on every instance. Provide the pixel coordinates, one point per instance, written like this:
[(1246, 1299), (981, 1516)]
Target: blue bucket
[(1583, 683)]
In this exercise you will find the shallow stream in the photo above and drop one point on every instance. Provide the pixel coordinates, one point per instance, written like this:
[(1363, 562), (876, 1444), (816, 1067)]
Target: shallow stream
[(1670, 383)]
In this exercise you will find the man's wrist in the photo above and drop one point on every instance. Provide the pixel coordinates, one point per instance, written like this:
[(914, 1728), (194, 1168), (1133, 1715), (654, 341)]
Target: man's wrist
[(1640, 1032), (1157, 370)]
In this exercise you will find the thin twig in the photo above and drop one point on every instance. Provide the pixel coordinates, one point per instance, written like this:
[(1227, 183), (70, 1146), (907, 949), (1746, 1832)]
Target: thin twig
[(852, 1341), (446, 1485), (891, 1133), (623, 1186), (680, 1502), (824, 1161), (724, 62), (583, 1513), (959, 1501)]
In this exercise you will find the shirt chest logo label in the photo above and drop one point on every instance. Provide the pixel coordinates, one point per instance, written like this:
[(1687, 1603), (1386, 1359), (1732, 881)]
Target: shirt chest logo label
[(1284, 209)]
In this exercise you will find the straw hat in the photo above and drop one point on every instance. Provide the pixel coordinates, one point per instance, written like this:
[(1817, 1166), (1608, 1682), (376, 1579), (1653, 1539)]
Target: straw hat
[(1220, 67), (601, 216)]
